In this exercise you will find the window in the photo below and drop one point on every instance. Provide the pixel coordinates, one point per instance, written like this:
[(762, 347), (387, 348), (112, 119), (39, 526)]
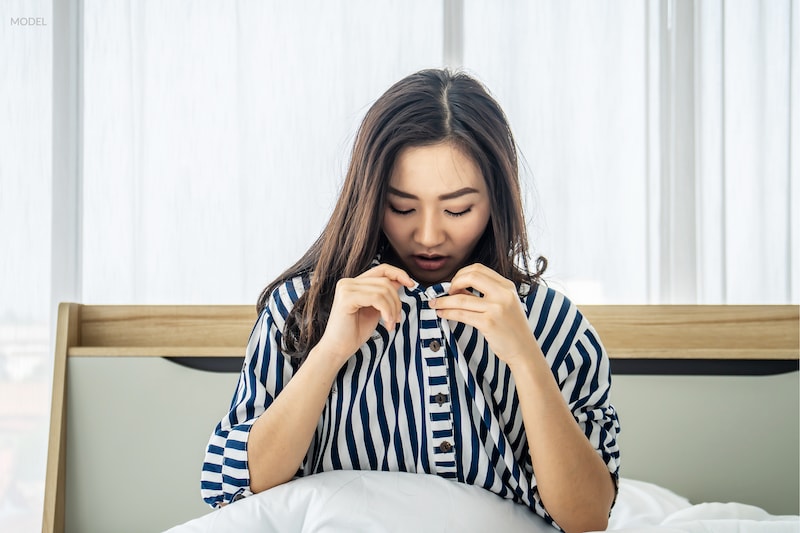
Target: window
[(197, 149), (25, 218)]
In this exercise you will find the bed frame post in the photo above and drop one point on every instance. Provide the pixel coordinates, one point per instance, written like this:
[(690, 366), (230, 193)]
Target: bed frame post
[(67, 334)]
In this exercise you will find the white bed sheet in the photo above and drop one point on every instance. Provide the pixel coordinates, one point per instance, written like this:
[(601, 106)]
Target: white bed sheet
[(379, 502), (647, 508)]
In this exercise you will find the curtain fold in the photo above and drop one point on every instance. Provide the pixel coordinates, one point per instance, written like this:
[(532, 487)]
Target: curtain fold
[(655, 138), (659, 138), (26, 217), (745, 161), (215, 146)]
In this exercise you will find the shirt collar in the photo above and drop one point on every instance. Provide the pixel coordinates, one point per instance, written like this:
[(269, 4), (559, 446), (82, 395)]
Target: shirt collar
[(430, 291), (426, 292)]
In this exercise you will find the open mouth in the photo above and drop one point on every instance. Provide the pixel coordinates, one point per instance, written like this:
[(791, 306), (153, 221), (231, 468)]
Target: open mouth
[(432, 262)]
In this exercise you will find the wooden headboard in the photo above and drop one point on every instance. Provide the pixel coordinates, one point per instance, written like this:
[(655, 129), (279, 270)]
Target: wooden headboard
[(763, 336)]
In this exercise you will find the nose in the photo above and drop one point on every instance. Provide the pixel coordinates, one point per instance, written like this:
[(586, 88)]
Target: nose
[(430, 231)]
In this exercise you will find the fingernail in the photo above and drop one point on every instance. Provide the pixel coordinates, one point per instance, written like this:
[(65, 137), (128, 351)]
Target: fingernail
[(432, 302)]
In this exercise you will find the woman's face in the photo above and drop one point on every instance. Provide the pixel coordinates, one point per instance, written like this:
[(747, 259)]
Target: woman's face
[(437, 208)]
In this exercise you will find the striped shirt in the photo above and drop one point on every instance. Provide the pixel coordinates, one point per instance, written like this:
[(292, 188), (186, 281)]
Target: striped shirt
[(430, 397)]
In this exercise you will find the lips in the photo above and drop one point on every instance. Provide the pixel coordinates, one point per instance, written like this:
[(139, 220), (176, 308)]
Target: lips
[(430, 262)]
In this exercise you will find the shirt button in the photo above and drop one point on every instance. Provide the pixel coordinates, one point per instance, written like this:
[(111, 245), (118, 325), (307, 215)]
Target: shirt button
[(435, 345), (445, 446), (441, 398)]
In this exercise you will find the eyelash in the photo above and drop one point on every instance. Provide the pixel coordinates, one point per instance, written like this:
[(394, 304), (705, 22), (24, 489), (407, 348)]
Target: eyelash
[(460, 213), (449, 213)]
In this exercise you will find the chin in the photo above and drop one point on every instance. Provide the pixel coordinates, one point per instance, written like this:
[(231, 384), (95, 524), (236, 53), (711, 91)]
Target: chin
[(428, 278)]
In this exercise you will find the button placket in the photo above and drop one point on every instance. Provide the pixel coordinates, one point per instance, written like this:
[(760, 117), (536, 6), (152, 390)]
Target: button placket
[(434, 352)]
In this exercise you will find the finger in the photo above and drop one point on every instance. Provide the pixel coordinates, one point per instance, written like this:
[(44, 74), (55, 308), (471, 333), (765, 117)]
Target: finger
[(478, 277), (372, 284), (379, 293), (389, 310), (470, 318), (467, 302), (382, 295), (391, 272), (386, 307), (393, 310)]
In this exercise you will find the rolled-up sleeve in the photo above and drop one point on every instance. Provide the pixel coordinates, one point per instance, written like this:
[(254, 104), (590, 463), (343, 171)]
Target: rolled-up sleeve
[(589, 386), (581, 367), (266, 370)]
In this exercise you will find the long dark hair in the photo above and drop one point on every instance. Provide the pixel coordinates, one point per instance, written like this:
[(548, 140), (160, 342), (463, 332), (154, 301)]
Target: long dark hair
[(425, 108)]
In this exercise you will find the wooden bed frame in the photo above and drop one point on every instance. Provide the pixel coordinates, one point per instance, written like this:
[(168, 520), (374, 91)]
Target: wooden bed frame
[(699, 435)]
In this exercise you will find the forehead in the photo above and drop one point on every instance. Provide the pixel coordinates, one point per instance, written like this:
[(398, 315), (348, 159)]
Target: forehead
[(435, 169)]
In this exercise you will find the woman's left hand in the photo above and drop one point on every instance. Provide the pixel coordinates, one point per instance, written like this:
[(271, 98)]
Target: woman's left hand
[(498, 315)]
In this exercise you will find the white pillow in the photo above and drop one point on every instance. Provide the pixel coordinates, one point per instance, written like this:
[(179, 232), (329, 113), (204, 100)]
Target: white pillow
[(351, 500)]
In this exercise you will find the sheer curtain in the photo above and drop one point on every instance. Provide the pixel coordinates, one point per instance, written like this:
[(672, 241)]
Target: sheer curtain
[(658, 137), (25, 192), (655, 136), (573, 80), (214, 147), (660, 144), (747, 151)]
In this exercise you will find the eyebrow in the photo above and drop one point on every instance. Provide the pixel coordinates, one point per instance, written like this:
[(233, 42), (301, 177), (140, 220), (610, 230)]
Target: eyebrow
[(449, 196)]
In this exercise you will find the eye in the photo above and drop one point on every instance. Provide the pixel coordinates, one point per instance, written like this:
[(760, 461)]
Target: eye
[(459, 213), (400, 212)]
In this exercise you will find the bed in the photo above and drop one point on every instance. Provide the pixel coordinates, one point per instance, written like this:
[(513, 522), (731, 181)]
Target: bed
[(138, 389)]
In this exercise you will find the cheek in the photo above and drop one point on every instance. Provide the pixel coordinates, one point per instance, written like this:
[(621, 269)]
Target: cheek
[(390, 227), (474, 231)]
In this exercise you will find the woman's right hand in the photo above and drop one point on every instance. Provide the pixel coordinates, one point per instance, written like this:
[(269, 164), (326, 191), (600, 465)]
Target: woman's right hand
[(358, 304)]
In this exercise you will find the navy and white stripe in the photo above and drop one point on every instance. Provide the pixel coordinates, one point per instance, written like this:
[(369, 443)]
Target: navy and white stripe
[(429, 397)]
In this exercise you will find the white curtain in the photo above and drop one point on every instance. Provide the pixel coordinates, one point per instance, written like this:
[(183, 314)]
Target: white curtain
[(25, 237), (747, 151), (655, 138), (660, 143), (572, 77), (216, 133), (657, 135)]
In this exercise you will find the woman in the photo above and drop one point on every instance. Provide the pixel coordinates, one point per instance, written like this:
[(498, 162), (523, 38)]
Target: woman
[(412, 337)]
